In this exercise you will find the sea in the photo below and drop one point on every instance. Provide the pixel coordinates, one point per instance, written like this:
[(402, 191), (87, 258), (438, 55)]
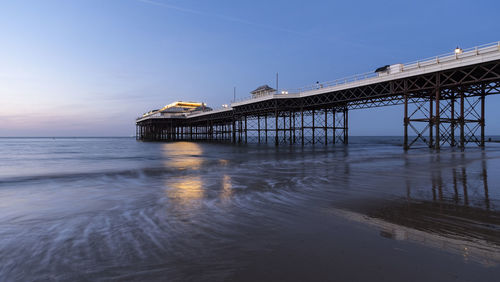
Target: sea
[(117, 209)]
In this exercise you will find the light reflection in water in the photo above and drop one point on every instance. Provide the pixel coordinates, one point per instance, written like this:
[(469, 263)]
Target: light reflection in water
[(226, 187), (183, 155), (188, 189)]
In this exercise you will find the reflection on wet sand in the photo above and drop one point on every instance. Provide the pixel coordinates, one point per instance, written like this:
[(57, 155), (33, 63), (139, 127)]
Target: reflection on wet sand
[(183, 155), (186, 190), (457, 217), (477, 250), (226, 187)]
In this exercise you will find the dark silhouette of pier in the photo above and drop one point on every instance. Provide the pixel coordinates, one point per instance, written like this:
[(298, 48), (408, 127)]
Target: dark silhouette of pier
[(444, 100)]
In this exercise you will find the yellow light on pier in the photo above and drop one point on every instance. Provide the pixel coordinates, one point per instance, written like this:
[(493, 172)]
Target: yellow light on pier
[(458, 51), (183, 104)]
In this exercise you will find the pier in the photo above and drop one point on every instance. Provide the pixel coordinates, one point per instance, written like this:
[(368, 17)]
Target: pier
[(444, 105)]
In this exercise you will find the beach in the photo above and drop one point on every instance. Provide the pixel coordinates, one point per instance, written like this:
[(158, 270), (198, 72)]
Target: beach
[(116, 209)]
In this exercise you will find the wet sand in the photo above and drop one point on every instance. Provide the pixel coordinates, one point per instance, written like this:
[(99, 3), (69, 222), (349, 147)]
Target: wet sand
[(116, 209)]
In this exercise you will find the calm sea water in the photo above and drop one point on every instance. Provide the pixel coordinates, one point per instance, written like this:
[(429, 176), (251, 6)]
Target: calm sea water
[(116, 209)]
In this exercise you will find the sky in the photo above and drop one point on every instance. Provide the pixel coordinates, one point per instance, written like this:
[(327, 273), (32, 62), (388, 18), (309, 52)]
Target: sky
[(90, 67)]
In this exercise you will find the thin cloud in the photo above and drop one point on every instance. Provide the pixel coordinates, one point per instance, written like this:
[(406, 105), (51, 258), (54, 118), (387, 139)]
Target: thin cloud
[(172, 7), (254, 24), (221, 17)]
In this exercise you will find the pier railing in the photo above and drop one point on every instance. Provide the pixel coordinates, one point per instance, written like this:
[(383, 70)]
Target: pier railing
[(447, 57)]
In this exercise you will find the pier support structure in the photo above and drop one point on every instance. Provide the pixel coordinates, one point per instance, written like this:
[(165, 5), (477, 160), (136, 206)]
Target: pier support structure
[(326, 125), (451, 117)]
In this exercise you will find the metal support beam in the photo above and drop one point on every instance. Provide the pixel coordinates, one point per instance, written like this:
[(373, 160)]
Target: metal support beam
[(462, 119), (302, 126), (334, 113), (313, 136), (346, 127), (265, 126), (286, 129), (234, 130), (276, 140), (246, 137), (453, 121), (405, 122), (482, 120), (431, 123), (437, 118), (258, 128), (326, 126)]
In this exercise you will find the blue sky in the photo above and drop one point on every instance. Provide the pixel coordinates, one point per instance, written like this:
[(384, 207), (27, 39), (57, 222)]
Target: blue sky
[(89, 67)]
